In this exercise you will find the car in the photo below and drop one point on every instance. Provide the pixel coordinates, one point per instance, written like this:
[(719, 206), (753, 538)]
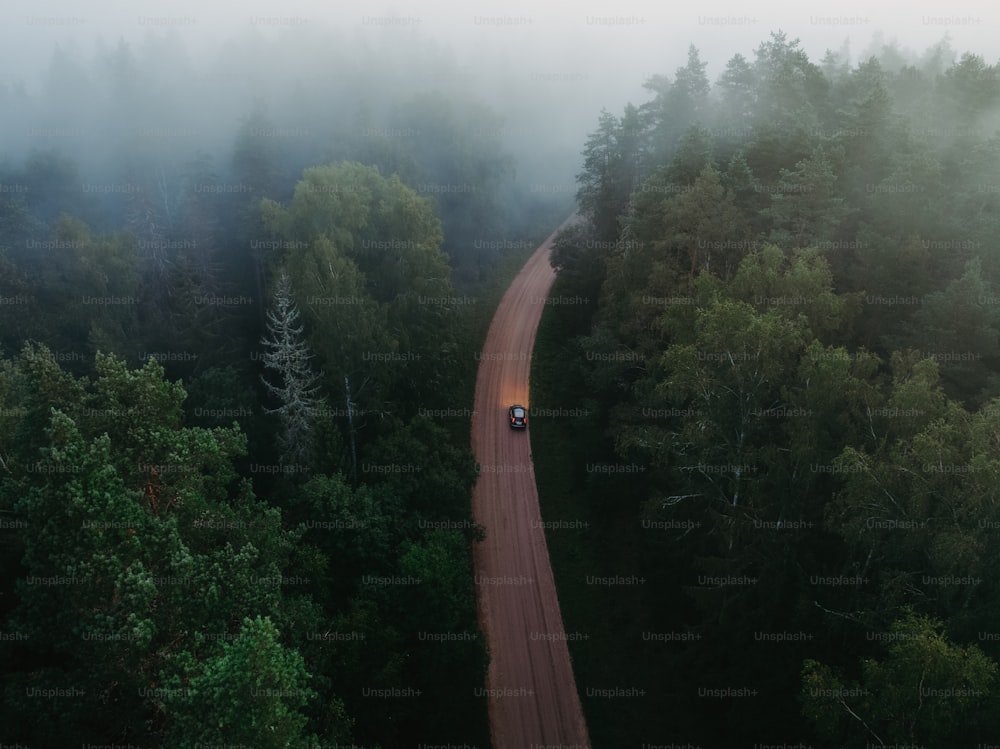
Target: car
[(518, 416)]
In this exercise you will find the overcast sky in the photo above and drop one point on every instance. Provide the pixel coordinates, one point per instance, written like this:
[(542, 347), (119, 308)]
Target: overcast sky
[(583, 55), (598, 42)]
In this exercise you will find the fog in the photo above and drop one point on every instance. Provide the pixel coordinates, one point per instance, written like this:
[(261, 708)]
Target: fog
[(776, 322), (547, 70)]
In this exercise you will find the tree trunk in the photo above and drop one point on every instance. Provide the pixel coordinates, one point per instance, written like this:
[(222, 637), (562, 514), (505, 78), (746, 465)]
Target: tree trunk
[(350, 422)]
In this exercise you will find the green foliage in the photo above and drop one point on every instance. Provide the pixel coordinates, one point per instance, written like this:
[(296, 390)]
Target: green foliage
[(926, 690), (960, 327), (251, 692), (797, 285), (416, 463), (677, 105), (197, 533), (218, 397), (356, 530), (794, 344), (79, 292), (444, 599), (610, 173), (372, 282), (108, 586), (733, 232), (138, 540), (581, 263), (706, 225), (448, 650), (728, 375), (792, 88), (805, 207)]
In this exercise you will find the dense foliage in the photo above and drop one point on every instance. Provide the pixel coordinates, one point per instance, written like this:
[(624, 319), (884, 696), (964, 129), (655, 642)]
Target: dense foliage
[(230, 509), (783, 374)]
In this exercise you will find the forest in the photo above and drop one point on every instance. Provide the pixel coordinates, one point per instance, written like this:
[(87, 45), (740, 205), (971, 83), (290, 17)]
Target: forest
[(235, 377), (238, 346), (780, 473)]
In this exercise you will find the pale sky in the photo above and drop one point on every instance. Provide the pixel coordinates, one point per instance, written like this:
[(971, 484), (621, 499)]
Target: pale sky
[(597, 41), (581, 56)]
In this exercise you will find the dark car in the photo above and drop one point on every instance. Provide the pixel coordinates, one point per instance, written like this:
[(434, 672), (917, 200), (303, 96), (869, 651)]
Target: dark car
[(518, 417)]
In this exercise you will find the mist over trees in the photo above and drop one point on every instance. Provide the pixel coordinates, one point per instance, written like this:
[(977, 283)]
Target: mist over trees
[(236, 303), (785, 347), (115, 136), (236, 298)]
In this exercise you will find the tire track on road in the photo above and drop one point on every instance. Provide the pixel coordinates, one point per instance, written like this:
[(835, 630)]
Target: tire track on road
[(532, 693)]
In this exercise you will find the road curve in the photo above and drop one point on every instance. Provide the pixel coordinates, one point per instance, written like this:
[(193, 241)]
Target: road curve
[(532, 693)]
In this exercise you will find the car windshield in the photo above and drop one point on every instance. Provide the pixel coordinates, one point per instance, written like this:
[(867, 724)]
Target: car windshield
[(519, 413)]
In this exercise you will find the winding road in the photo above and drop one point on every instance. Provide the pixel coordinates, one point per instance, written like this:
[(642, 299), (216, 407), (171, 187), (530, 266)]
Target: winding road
[(533, 701)]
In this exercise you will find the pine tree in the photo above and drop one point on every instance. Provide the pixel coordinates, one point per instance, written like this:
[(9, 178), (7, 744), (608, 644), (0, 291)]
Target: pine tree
[(288, 355)]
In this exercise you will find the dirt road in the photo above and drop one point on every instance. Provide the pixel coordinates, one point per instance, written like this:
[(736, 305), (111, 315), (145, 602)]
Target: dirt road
[(532, 693)]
